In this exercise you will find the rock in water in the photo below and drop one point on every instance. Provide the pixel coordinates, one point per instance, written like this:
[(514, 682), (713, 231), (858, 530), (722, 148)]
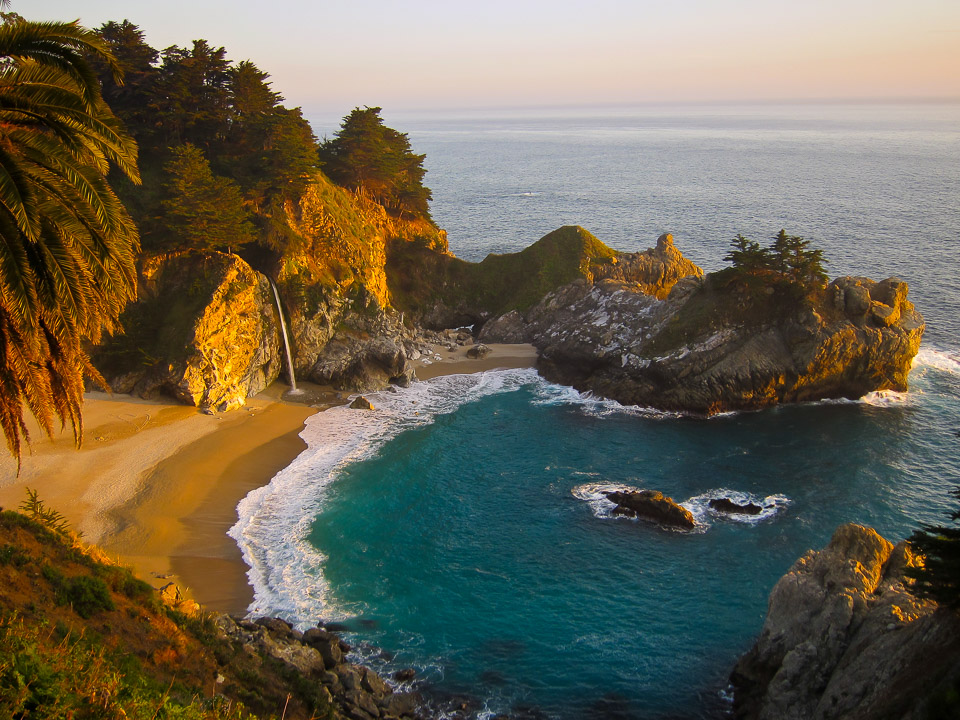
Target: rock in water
[(652, 505), (726, 505), (713, 346), (361, 403), (845, 638)]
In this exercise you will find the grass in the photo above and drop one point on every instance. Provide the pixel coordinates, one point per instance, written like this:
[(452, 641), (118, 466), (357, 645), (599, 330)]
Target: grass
[(419, 278), (82, 638)]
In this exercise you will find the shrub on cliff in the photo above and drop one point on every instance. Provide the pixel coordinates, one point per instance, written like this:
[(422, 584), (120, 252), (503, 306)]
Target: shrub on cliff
[(939, 577)]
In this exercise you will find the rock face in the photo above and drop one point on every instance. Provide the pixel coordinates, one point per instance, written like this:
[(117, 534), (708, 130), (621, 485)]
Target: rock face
[(712, 347), (652, 505), (653, 272), (204, 331), (317, 656), (845, 638)]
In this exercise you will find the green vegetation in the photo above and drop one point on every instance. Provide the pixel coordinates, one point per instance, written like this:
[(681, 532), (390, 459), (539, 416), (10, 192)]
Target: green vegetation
[(499, 283), (376, 162), (939, 576), (200, 119), (788, 260), (81, 638), (67, 244)]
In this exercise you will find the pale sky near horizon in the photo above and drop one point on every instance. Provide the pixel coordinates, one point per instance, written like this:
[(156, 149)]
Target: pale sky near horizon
[(329, 57)]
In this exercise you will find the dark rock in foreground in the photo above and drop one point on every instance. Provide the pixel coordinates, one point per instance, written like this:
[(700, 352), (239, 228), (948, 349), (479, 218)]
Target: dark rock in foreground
[(726, 505), (845, 638), (652, 505)]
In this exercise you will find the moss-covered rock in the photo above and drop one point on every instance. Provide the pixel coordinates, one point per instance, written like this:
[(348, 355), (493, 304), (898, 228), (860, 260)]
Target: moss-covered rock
[(444, 291)]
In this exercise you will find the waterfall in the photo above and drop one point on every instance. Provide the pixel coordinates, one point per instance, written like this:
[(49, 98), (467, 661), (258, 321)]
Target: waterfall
[(286, 342)]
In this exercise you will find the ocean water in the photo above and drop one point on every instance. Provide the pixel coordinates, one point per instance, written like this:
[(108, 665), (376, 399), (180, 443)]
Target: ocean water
[(460, 529)]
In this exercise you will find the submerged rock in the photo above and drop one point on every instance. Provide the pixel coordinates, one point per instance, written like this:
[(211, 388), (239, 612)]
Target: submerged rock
[(652, 505), (845, 638)]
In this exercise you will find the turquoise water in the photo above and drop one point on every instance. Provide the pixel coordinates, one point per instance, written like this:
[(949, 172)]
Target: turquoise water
[(457, 529)]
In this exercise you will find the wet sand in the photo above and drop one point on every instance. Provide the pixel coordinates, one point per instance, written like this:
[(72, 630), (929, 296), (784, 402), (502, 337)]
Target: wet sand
[(157, 484)]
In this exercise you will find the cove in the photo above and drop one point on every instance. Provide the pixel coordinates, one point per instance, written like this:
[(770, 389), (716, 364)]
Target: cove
[(460, 546)]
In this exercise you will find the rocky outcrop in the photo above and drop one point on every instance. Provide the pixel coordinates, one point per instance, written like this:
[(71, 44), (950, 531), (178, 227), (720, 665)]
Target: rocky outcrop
[(204, 331), (443, 291), (845, 638), (653, 272), (714, 346), (726, 505), (318, 656), (654, 506)]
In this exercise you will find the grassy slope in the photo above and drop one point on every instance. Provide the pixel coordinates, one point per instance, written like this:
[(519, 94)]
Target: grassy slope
[(419, 278), (83, 638)]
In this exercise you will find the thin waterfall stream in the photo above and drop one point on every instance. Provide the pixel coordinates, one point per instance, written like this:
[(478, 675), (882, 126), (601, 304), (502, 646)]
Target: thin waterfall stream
[(286, 343)]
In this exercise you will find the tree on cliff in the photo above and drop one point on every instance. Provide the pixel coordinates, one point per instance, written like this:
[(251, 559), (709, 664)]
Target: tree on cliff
[(789, 258), (201, 210), (374, 160), (67, 244), (939, 577)]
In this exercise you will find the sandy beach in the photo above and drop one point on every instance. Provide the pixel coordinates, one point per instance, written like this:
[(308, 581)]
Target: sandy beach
[(156, 484)]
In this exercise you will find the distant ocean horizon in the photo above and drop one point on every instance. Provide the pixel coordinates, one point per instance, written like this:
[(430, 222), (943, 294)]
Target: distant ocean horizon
[(460, 529)]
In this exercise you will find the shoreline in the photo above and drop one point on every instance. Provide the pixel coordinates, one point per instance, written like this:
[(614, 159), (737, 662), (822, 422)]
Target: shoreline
[(156, 484)]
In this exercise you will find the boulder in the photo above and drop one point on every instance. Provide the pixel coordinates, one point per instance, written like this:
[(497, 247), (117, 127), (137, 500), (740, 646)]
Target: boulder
[(327, 644), (204, 331), (726, 505), (361, 403), (652, 505), (478, 351)]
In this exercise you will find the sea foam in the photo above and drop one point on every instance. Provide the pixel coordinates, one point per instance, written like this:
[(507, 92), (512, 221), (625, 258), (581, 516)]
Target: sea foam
[(275, 520)]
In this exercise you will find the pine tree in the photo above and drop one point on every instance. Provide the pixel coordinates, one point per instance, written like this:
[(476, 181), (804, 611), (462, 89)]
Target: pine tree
[(939, 577), (202, 210), (377, 162)]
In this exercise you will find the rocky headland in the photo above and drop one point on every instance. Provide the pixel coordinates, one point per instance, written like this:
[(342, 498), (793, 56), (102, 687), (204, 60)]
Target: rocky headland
[(712, 345), (844, 637), (365, 294)]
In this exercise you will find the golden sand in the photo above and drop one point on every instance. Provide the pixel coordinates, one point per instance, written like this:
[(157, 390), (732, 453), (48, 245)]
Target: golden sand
[(157, 484)]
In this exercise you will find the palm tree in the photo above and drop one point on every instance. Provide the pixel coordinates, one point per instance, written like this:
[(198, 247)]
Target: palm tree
[(67, 244)]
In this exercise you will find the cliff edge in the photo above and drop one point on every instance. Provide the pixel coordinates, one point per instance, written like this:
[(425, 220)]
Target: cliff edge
[(845, 638)]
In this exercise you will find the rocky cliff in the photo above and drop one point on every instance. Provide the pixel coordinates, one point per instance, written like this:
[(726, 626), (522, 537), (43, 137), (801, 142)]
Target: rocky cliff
[(204, 331), (845, 638), (714, 345)]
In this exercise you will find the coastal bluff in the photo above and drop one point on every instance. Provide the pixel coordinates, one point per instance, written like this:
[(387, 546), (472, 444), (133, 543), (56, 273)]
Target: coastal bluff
[(844, 637), (365, 294), (713, 345)]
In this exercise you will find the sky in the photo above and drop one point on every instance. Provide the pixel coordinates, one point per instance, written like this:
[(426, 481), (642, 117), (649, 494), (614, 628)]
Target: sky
[(328, 57)]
